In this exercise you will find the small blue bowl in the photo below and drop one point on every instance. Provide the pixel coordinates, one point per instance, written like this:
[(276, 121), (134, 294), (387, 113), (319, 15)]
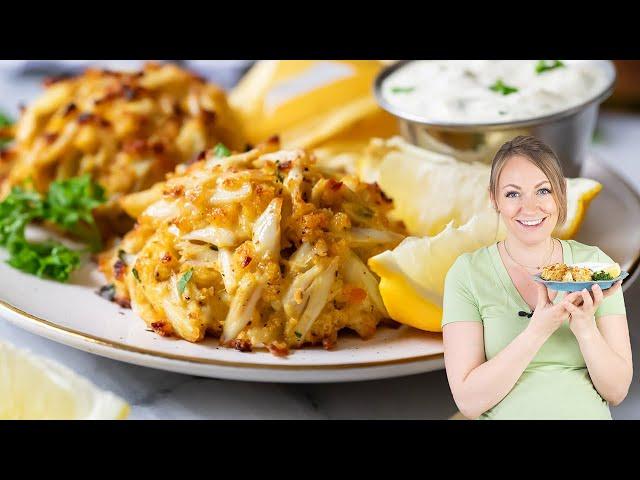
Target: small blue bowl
[(577, 286)]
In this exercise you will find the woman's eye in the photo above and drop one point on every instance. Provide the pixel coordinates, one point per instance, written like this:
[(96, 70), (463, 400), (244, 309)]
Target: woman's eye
[(511, 194), (544, 191)]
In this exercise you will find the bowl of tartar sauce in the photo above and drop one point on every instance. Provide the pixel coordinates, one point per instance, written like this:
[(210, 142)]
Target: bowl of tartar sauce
[(469, 108)]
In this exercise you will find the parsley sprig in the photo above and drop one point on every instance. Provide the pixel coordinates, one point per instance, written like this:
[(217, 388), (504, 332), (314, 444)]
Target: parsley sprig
[(502, 88), (68, 205), (221, 150), (4, 122), (545, 65), (602, 275), (402, 89)]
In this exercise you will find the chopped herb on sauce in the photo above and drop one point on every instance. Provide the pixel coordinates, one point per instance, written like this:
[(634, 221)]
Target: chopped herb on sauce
[(501, 87), (546, 65), (402, 89)]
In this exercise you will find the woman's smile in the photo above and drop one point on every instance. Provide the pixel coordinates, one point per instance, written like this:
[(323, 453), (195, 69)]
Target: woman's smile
[(531, 224)]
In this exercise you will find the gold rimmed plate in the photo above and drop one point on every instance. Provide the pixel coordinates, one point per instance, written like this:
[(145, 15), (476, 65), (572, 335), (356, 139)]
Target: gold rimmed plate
[(75, 315)]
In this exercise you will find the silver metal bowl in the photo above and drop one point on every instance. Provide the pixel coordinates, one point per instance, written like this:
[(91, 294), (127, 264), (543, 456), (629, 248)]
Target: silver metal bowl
[(568, 132)]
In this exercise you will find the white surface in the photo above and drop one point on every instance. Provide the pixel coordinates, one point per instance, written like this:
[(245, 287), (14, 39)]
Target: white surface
[(159, 394)]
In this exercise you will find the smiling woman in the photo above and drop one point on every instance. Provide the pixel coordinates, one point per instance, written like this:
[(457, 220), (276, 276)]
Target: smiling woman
[(571, 357)]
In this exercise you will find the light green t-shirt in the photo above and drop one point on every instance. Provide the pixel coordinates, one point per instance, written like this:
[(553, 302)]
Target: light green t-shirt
[(556, 384)]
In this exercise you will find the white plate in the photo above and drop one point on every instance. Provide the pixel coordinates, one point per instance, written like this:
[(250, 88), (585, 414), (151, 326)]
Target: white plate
[(74, 315)]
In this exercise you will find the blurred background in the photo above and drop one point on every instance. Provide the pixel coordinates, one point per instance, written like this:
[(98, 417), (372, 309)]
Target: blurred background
[(226, 73)]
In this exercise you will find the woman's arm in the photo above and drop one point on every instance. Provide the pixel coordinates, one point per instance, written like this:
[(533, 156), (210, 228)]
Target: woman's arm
[(476, 384), (607, 352), (605, 345)]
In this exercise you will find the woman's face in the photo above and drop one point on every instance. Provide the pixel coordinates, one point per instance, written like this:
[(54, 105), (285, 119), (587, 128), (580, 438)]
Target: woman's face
[(525, 202)]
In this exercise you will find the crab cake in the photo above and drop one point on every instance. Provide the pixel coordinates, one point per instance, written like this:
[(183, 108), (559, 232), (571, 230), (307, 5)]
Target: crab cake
[(260, 249), (127, 130)]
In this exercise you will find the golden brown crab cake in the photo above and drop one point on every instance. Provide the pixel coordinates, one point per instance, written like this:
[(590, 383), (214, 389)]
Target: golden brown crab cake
[(261, 249), (555, 272), (581, 274), (127, 130)]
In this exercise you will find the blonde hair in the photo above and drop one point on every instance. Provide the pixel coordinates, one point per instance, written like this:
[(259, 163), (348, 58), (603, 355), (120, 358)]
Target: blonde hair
[(543, 157)]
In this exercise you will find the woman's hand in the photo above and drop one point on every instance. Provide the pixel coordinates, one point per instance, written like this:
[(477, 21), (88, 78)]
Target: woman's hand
[(582, 316), (547, 316)]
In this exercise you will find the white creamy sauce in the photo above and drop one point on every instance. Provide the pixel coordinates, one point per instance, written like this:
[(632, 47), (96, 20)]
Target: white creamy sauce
[(460, 91)]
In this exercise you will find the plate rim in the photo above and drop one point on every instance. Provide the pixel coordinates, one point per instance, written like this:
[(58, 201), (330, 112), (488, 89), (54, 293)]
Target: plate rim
[(118, 346)]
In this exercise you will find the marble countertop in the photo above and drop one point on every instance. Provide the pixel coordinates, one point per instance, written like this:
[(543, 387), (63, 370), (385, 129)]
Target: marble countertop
[(156, 394)]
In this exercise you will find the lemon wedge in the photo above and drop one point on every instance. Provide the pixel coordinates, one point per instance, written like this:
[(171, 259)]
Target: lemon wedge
[(429, 189), (309, 103), (33, 388), (446, 207), (412, 275), (613, 270), (580, 193)]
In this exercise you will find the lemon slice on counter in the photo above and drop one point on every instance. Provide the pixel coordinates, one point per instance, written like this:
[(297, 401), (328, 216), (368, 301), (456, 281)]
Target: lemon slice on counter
[(33, 387), (429, 189), (412, 275)]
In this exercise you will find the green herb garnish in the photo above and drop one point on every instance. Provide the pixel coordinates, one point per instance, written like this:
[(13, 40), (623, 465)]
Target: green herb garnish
[(602, 275), (121, 256), (545, 65), (298, 334), (4, 121), (49, 259), (184, 279), (502, 88), (402, 89), (220, 150), (16, 211), (70, 203), (135, 274)]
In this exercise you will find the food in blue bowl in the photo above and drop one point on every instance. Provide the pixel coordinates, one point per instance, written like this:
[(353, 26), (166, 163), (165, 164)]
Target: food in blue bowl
[(572, 278)]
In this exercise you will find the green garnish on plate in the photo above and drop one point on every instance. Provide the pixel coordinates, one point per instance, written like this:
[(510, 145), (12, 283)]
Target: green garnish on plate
[(68, 205), (601, 275)]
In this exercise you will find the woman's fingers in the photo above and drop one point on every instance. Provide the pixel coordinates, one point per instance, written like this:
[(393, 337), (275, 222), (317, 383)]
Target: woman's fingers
[(614, 288), (571, 308), (543, 295), (574, 297), (588, 301), (597, 295)]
